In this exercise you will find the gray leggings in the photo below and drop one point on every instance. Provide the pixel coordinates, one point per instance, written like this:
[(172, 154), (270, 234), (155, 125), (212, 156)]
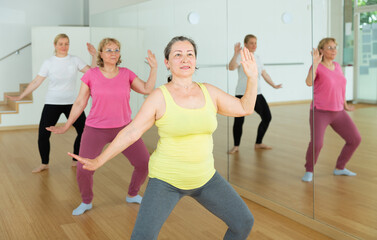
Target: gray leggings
[(216, 195)]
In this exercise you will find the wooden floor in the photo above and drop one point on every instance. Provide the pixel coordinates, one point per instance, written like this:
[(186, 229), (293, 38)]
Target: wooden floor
[(39, 206), (350, 203), (347, 203), (275, 174)]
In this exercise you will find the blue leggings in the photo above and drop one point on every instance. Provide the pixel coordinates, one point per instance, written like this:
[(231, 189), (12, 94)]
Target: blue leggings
[(216, 195)]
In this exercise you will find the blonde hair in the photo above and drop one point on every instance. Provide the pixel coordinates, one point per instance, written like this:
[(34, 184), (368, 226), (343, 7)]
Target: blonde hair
[(59, 36), (101, 45), (325, 41)]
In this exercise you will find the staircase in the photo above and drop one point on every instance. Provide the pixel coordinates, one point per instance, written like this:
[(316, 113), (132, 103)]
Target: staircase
[(11, 107)]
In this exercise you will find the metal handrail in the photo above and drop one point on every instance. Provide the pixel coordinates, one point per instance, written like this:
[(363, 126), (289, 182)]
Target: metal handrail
[(16, 51)]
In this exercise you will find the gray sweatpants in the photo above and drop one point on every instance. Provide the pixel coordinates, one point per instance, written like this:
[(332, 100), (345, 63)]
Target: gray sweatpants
[(216, 195)]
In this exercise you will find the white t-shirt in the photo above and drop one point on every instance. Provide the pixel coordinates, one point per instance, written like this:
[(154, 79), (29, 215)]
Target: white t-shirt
[(242, 79), (62, 74)]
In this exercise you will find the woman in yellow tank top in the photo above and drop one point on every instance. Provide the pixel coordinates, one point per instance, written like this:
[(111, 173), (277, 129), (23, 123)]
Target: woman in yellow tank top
[(182, 165)]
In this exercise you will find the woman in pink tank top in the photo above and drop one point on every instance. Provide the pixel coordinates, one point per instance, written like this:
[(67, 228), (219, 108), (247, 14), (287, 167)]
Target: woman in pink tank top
[(329, 107)]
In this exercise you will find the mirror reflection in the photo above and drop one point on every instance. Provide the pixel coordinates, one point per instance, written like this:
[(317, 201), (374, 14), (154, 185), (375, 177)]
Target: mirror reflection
[(329, 109), (261, 106), (286, 33), (274, 174), (267, 149), (357, 52)]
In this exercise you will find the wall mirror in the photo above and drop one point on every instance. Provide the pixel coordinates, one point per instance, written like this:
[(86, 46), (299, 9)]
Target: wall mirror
[(285, 49), (347, 204)]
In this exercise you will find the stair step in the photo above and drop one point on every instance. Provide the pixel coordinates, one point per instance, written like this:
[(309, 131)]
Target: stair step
[(6, 109), (9, 107), (12, 93), (26, 99)]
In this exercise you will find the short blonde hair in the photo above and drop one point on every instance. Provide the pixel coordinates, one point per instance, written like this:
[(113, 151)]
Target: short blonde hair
[(101, 45), (325, 41), (59, 36)]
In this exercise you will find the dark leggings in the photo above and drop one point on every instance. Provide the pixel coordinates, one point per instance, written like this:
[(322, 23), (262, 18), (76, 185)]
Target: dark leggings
[(261, 107), (217, 196), (50, 116)]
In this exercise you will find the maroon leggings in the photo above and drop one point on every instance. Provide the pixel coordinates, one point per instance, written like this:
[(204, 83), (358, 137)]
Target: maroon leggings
[(92, 142), (343, 125)]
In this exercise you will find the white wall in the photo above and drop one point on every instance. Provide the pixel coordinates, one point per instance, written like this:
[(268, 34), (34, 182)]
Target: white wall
[(17, 17), (14, 70), (99, 6), (222, 23), (43, 48), (159, 20), (278, 43)]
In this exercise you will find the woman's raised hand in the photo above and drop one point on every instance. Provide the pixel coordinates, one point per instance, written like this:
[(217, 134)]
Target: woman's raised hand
[(237, 48), (151, 59), (88, 164), (317, 57), (91, 49), (249, 65)]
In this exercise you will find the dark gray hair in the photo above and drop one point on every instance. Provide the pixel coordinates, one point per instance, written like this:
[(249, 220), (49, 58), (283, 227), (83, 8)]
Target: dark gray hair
[(174, 40)]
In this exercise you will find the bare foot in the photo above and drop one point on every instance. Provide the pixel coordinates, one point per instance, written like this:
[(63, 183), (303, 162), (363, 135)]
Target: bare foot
[(74, 163), (233, 150), (262, 146), (40, 168)]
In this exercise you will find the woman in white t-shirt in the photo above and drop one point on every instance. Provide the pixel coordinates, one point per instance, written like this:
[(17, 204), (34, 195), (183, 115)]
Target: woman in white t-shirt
[(61, 70), (261, 106)]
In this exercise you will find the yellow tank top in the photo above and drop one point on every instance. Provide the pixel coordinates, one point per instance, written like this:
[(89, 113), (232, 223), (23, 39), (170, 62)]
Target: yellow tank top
[(183, 157)]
